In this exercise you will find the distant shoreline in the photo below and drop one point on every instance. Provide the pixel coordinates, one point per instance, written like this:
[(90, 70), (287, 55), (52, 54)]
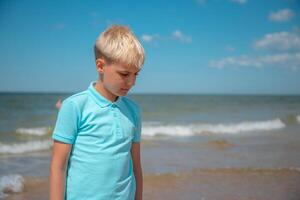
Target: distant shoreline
[(150, 93)]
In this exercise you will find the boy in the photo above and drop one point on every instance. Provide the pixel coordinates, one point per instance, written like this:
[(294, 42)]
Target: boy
[(96, 151)]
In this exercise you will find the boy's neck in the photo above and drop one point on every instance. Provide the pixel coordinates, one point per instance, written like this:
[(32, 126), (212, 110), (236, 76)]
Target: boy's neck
[(105, 93)]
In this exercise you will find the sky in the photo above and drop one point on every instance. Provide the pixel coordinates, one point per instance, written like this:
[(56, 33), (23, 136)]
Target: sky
[(192, 46)]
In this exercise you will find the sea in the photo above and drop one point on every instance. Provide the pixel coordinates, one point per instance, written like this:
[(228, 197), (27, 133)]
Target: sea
[(179, 133)]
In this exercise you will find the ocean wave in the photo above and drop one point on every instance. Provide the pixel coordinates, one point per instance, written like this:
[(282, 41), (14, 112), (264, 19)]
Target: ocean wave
[(291, 119), (30, 146), (11, 184), (194, 129), (39, 131), (171, 130), (298, 118)]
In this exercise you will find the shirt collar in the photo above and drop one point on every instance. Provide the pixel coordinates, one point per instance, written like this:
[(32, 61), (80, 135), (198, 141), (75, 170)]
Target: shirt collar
[(101, 100)]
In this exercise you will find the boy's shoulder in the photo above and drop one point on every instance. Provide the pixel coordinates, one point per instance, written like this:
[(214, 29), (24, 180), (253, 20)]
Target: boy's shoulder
[(77, 98)]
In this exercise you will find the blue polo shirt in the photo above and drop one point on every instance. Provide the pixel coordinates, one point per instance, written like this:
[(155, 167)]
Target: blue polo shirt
[(101, 133)]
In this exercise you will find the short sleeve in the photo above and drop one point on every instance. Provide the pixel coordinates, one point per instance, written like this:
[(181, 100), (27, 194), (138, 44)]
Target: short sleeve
[(138, 126), (67, 123)]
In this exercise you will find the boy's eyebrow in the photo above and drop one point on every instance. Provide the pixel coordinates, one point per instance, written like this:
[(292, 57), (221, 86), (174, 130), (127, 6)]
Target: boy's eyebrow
[(128, 71)]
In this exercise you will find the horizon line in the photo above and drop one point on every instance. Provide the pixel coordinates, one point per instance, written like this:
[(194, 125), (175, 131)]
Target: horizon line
[(153, 93)]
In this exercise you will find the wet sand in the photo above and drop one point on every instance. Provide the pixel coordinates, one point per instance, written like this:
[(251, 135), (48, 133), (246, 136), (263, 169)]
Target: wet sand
[(220, 144), (203, 184), (225, 184)]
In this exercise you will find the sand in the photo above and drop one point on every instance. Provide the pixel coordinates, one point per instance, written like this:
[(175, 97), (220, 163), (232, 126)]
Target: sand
[(203, 184), (225, 184)]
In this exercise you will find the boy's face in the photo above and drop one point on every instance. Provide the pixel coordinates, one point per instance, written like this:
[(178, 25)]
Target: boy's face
[(117, 78)]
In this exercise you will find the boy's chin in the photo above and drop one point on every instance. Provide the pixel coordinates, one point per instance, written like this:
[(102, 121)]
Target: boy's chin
[(123, 92)]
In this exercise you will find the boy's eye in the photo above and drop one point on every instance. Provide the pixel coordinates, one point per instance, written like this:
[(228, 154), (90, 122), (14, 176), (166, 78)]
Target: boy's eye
[(126, 74), (122, 74)]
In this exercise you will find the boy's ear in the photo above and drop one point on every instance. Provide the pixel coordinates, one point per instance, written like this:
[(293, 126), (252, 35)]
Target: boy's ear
[(100, 63)]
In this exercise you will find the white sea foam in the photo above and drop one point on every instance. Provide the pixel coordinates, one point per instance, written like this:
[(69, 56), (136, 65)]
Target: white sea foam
[(243, 126), (39, 131), (298, 118), (171, 130), (25, 147), (11, 184), (193, 129)]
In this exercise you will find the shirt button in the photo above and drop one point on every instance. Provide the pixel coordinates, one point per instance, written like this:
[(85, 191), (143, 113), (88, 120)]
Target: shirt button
[(113, 105)]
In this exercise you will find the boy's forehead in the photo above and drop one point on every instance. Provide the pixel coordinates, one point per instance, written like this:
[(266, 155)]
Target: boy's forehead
[(126, 68)]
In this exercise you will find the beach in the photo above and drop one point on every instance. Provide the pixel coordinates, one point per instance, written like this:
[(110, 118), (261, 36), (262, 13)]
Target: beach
[(227, 148), (223, 184)]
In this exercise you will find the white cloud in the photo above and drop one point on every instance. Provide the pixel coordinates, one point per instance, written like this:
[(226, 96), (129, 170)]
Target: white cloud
[(178, 35), (239, 1), (279, 41), (281, 15), (235, 61), (287, 60), (229, 48), (147, 38), (201, 2)]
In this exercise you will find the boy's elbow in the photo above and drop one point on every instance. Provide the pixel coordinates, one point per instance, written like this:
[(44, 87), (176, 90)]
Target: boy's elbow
[(60, 156), (57, 166)]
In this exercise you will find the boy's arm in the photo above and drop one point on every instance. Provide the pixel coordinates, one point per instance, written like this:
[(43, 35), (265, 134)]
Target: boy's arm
[(137, 168), (60, 156)]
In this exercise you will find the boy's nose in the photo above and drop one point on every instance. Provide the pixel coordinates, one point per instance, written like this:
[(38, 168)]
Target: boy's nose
[(131, 82)]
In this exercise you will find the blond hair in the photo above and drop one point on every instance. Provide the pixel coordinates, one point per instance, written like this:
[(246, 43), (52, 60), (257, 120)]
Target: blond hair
[(118, 44)]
